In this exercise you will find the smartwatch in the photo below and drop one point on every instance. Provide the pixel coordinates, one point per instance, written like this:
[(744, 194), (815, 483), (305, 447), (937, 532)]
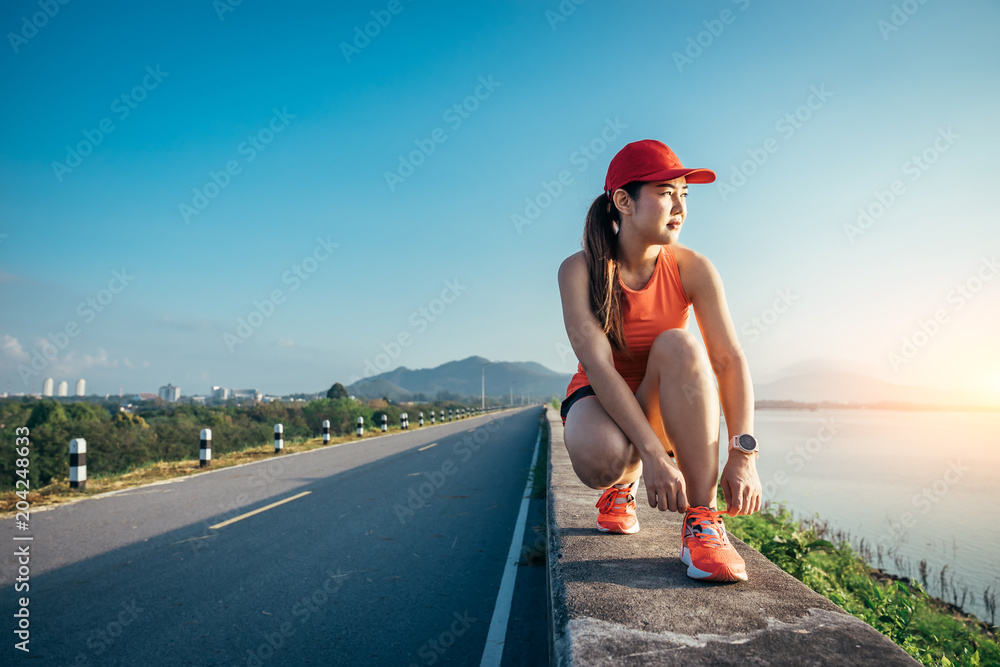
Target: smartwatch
[(745, 443)]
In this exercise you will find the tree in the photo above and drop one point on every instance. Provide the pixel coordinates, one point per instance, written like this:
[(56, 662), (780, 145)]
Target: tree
[(83, 411), (337, 391), (46, 412)]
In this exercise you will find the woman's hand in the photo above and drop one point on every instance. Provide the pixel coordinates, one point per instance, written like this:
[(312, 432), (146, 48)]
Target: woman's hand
[(741, 484), (664, 483)]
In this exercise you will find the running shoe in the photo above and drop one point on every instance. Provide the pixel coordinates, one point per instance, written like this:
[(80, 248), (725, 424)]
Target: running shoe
[(706, 550), (617, 510)]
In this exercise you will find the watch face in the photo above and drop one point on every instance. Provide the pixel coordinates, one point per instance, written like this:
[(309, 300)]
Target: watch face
[(747, 442)]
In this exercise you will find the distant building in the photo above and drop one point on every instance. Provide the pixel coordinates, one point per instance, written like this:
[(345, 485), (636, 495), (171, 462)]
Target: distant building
[(63, 389), (245, 394), (170, 393), (47, 387), (81, 387), (200, 400), (143, 396), (221, 393)]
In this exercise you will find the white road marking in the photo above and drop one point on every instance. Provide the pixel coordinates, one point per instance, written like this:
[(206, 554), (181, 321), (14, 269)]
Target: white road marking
[(259, 510), (493, 652)]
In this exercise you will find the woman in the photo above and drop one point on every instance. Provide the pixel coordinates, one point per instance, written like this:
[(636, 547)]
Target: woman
[(643, 391)]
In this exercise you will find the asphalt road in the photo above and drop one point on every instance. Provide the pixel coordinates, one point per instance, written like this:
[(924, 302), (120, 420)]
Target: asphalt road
[(386, 552)]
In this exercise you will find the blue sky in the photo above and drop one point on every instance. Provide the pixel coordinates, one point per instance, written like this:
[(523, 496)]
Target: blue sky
[(207, 90)]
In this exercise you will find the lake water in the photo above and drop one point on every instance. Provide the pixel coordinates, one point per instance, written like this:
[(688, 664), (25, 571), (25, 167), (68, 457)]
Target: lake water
[(921, 484)]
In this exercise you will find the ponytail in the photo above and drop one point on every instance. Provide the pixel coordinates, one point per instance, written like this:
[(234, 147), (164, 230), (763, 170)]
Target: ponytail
[(600, 247)]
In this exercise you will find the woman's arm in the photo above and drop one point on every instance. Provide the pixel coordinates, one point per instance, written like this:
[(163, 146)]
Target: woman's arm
[(664, 483), (703, 285)]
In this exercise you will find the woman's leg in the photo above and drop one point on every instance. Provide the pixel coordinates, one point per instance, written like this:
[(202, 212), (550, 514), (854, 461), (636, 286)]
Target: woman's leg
[(599, 450), (679, 397)]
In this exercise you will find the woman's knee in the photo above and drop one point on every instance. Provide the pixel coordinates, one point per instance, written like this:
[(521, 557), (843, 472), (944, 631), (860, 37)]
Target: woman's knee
[(678, 350), (598, 449)]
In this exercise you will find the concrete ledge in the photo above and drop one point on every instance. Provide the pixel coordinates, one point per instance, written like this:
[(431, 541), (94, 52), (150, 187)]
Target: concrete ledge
[(626, 599)]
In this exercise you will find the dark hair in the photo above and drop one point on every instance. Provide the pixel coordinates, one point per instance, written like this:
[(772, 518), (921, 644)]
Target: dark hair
[(600, 247)]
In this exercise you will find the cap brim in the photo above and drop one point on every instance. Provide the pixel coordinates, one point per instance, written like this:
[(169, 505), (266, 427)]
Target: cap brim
[(690, 175)]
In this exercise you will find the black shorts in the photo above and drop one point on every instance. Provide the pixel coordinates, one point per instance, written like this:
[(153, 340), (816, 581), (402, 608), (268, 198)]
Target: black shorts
[(585, 390)]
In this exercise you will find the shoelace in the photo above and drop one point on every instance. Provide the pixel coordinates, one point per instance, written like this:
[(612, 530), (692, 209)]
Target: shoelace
[(707, 519), (608, 503)]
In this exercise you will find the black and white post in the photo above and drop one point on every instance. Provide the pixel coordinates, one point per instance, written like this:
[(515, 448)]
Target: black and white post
[(385, 423), (361, 426), (404, 421), (421, 420), (205, 451), (279, 441), (432, 416), (326, 431), (78, 463)]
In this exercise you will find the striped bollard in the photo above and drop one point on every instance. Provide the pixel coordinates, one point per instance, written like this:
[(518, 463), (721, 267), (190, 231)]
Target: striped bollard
[(279, 442), (451, 415), (205, 451), (326, 431), (406, 421), (385, 423), (442, 416), (421, 422), (432, 416), (78, 463), (361, 426)]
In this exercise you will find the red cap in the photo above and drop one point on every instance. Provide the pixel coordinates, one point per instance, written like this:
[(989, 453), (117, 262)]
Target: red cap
[(649, 160)]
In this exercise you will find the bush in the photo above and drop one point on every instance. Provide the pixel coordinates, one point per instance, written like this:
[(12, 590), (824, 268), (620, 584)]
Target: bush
[(121, 441)]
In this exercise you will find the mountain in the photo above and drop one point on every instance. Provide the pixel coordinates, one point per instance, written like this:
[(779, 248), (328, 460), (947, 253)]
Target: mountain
[(377, 387), (464, 378), (852, 387), (812, 382)]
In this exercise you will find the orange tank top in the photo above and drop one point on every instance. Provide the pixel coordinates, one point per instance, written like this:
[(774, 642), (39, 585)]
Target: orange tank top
[(660, 305)]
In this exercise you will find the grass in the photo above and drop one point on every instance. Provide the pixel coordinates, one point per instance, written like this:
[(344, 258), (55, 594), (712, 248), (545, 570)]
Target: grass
[(931, 630), (540, 482), (536, 554)]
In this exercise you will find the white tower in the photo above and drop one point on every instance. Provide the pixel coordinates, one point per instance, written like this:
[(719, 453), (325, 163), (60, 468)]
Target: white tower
[(170, 393), (47, 387), (81, 387), (63, 388)]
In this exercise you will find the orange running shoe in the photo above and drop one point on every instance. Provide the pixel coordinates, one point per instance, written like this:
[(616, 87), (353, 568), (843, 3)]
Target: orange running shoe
[(617, 510), (706, 550)]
